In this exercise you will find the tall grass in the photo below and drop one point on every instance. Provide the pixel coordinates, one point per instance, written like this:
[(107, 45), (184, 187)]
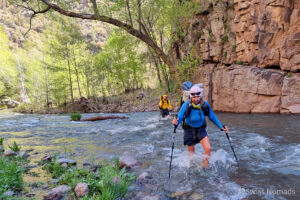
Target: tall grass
[(75, 116), (11, 176), (101, 184)]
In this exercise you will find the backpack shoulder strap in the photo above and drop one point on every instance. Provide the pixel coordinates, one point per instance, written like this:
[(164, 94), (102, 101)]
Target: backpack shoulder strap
[(205, 108)]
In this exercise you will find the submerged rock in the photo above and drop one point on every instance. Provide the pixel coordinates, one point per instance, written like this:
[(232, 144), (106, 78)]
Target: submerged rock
[(62, 188), (146, 196), (196, 196), (128, 160), (24, 154), (10, 153), (67, 161), (47, 158), (81, 189), (57, 193), (143, 176)]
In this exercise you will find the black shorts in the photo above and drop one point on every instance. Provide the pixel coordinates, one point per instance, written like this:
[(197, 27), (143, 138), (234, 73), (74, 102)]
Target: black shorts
[(164, 112), (193, 136)]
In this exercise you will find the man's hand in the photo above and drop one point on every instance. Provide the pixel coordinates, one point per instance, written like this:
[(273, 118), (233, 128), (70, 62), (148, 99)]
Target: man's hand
[(225, 129), (175, 121)]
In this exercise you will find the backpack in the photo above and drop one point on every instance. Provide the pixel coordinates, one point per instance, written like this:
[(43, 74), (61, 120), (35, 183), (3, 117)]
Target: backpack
[(205, 109), (162, 100)]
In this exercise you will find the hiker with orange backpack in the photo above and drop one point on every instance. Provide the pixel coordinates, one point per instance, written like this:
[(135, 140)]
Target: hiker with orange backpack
[(164, 106)]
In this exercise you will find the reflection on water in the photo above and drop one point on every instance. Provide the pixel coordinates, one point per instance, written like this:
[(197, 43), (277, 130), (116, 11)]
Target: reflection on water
[(268, 147)]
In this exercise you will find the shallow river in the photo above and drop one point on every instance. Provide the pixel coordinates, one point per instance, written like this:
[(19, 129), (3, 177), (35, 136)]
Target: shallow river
[(267, 146)]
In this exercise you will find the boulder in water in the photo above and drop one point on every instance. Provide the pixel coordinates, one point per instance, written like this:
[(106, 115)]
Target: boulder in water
[(24, 154), (10, 153), (143, 176), (128, 160), (196, 196), (67, 161)]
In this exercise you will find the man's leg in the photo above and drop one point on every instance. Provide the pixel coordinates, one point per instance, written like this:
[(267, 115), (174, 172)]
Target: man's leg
[(207, 148)]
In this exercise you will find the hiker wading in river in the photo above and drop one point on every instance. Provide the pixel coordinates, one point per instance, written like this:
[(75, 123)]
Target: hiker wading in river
[(192, 113)]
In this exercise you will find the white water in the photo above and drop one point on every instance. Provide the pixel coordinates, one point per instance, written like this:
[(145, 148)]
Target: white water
[(269, 155)]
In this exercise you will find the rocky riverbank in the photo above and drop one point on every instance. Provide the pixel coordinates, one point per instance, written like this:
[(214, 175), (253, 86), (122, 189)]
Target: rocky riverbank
[(137, 101)]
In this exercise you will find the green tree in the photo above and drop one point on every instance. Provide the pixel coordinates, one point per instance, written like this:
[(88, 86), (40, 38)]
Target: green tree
[(8, 70), (142, 19)]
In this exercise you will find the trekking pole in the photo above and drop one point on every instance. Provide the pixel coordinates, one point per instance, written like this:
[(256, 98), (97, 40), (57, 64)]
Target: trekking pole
[(172, 151), (229, 140)]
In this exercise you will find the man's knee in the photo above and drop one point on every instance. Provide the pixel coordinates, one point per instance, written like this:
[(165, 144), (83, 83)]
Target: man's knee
[(207, 150)]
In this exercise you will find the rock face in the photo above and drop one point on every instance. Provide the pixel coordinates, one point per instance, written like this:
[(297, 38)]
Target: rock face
[(247, 89), (250, 53), (250, 89)]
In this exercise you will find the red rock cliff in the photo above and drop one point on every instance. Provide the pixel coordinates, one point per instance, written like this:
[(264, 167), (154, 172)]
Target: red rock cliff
[(250, 51)]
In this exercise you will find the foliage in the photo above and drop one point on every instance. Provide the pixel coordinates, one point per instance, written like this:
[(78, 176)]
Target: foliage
[(8, 71), (63, 65), (1, 141), (14, 147), (118, 64), (187, 66), (233, 47), (75, 116), (288, 75), (101, 184), (239, 62), (11, 175)]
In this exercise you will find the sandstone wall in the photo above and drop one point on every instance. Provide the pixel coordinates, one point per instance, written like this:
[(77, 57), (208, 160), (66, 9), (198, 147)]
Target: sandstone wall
[(250, 51), (250, 89)]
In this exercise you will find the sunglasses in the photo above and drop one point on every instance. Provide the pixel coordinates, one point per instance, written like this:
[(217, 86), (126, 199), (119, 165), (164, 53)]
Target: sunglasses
[(196, 94)]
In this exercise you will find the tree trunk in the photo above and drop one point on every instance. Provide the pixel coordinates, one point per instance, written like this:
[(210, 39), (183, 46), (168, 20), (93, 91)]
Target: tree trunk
[(156, 66), (46, 85), (23, 91), (87, 83), (70, 82), (76, 72)]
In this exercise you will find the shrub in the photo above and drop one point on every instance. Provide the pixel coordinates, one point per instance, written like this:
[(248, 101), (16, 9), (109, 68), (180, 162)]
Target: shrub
[(101, 184), (11, 175), (75, 116), (240, 62), (14, 147)]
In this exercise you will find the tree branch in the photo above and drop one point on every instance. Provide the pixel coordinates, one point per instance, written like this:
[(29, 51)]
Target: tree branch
[(117, 23), (129, 13), (33, 15), (95, 7), (127, 27)]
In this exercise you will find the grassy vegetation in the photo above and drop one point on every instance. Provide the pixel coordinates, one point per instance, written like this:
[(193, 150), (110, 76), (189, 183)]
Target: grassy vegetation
[(11, 174), (14, 147), (101, 183), (75, 116), (239, 62)]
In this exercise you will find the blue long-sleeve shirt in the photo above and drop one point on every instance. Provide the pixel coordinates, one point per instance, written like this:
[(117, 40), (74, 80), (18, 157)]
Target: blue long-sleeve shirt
[(196, 118)]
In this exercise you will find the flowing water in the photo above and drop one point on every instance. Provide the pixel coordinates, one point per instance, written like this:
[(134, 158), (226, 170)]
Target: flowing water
[(267, 146)]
